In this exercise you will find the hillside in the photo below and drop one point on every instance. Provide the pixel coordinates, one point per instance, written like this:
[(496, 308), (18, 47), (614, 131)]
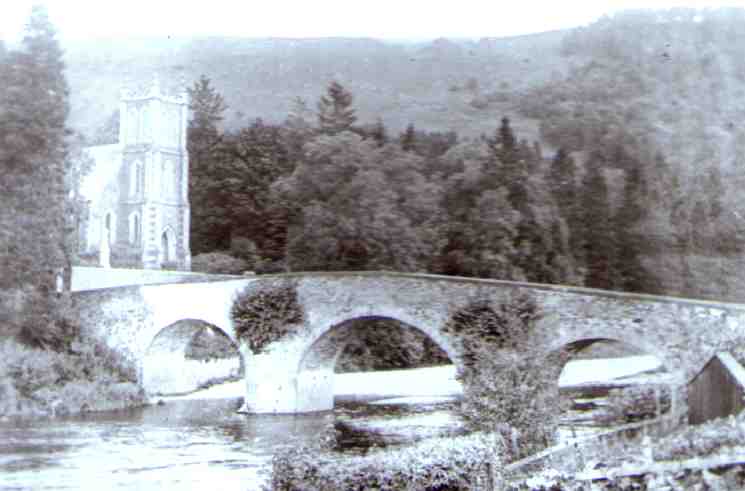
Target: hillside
[(665, 86), (425, 83)]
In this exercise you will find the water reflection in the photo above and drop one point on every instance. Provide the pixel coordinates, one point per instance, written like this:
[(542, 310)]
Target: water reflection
[(187, 444)]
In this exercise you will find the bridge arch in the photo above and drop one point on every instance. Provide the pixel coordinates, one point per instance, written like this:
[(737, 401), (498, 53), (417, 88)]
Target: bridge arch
[(187, 354), (316, 367)]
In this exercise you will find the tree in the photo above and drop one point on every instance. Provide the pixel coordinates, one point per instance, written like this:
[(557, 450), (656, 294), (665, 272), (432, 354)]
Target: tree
[(629, 218), (561, 180), (335, 111), (33, 148), (379, 133), (203, 145), (509, 384), (108, 132), (408, 138), (598, 236)]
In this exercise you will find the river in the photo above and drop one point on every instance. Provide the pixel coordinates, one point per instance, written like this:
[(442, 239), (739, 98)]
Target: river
[(199, 441), (195, 442)]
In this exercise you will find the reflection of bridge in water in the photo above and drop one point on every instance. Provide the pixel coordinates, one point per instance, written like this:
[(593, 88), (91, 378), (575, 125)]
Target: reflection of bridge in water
[(296, 373)]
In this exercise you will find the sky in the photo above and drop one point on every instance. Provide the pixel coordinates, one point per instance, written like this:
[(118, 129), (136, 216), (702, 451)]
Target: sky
[(385, 19)]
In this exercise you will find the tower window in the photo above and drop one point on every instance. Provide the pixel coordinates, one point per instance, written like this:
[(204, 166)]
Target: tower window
[(135, 228), (136, 178)]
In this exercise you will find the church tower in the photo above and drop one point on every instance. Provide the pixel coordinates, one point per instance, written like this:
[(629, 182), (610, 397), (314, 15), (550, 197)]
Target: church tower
[(153, 182)]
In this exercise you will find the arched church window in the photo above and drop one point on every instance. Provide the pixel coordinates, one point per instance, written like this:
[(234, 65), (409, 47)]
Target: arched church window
[(135, 228), (167, 247), (164, 247), (109, 228), (136, 176)]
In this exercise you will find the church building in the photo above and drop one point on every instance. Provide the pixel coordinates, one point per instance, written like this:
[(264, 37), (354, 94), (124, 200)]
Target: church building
[(136, 195)]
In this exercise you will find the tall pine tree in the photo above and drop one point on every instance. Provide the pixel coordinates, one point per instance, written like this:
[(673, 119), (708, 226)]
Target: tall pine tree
[(598, 234), (408, 138), (33, 113), (335, 111), (208, 214), (630, 273)]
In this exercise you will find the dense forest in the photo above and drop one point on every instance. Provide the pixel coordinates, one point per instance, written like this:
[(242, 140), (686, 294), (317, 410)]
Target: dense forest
[(628, 184)]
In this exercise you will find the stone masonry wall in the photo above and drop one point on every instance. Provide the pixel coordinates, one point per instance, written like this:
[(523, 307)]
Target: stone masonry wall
[(683, 334)]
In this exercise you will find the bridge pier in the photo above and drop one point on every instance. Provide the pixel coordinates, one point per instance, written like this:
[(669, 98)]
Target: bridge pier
[(274, 386)]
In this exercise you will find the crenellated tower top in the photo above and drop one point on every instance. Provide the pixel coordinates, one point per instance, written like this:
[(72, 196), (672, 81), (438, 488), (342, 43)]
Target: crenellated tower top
[(150, 116)]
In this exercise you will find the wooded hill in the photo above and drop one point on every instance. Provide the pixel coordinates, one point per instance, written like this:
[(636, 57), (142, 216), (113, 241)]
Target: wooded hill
[(659, 92)]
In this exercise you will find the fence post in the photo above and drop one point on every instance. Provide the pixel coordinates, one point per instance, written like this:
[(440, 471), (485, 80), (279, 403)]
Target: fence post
[(489, 477)]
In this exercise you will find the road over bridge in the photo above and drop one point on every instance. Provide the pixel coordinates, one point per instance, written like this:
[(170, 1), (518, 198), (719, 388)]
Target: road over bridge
[(296, 373)]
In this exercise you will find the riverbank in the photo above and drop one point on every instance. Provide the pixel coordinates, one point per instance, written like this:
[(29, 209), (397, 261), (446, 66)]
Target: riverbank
[(37, 383)]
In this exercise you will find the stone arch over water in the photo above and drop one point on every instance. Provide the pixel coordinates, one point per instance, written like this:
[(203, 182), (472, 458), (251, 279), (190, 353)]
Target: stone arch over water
[(175, 363), (316, 369)]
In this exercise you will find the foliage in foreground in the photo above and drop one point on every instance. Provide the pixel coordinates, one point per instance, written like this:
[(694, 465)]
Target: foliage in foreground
[(218, 263), (509, 386), (690, 442), (458, 463), (89, 378), (702, 440), (386, 344), (266, 315), (636, 403)]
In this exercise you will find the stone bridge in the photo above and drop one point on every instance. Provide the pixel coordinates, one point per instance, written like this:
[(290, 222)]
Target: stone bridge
[(296, 374)]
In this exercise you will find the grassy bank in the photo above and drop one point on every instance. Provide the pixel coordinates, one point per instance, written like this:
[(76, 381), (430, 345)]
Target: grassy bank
[(87, 377)]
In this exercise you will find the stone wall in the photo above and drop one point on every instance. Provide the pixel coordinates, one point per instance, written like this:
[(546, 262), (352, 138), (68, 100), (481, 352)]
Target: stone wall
[(114, 316), (717, 391), (683, 334)]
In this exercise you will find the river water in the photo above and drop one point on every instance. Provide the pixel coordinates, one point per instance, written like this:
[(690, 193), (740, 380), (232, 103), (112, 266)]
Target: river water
[(203, 443), (191, 443)]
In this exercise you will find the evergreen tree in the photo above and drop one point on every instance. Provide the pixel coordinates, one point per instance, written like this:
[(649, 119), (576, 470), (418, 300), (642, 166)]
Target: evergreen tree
[(33, 113), (598, 235), (335, 111), (206, 169), (630, 274), (108, 132), (207, 107), (561, 181), (408, 138), (379, 133)]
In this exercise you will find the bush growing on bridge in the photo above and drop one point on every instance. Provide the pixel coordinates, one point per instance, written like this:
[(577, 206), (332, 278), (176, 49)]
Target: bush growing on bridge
[(266, 315), (509, 386)]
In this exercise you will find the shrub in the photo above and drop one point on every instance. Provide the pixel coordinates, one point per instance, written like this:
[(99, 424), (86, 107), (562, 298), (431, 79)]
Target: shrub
[(266, 315), (218, 263), (458, 463), (245, 249), (269, 266), (206, 346), (37, 381), (635, 403), (702, 440), (509, 387)]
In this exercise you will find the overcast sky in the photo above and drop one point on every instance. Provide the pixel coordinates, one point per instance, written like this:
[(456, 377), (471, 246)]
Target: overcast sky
[(387, 19)]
